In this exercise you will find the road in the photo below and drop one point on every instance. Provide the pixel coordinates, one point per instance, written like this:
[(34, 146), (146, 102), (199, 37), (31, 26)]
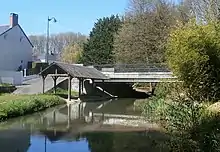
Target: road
[(34, 86)]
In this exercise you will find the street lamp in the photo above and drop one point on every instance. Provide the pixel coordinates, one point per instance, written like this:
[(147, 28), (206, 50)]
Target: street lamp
[(48, 26)]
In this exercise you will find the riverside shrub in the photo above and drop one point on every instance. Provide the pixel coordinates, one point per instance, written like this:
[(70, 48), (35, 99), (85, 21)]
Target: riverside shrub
[(192, 125), (14, 106), (193, 54)]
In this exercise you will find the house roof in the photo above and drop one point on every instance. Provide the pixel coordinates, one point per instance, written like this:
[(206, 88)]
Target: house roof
[(75, 71), (5, 28)]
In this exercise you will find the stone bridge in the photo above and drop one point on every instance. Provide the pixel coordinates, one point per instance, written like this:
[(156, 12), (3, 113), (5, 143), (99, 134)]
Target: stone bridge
[(108, 79), (136, 73)]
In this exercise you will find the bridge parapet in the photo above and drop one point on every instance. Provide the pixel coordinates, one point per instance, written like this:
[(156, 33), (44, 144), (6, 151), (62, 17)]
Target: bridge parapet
[(118, 68), (140, 75)]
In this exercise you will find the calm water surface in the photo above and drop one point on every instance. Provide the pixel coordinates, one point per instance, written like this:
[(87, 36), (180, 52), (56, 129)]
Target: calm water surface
[(69, 129)]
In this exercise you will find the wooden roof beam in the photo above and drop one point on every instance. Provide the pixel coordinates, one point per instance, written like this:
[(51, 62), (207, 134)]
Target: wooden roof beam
[(58, 75)]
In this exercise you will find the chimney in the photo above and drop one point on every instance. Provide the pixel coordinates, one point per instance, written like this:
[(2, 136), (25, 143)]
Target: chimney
[(13, 19)]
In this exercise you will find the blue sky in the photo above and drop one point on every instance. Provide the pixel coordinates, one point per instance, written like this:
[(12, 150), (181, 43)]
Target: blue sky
[(72, 15)]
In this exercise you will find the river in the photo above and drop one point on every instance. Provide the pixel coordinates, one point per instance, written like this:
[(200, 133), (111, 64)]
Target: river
[(72, 129)]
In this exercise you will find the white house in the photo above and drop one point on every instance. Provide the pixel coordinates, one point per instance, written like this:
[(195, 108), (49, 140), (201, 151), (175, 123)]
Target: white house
[(15, 46)]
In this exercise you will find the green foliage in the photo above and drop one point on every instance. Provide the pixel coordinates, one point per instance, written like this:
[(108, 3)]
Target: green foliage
[(14, 106), (154, 108), (72, 53), (38, 66), (62, 92), (99, 47), (193, 54), (5, 85), (192, 126)]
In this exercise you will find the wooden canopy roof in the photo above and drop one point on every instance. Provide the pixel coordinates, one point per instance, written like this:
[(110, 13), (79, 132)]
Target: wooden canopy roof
[(75, 71)]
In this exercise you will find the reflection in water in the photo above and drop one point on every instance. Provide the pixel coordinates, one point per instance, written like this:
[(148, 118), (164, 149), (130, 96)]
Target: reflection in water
[(66, 128), (87, 142)]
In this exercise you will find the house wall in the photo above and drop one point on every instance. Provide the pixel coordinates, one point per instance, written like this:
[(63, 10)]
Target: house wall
[(11, 77), (14, 47)]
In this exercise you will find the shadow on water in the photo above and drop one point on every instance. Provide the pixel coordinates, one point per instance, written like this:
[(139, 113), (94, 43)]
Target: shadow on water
[(67, 128)]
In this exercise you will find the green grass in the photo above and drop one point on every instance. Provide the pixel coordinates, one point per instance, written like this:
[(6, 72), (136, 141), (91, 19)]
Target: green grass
[(5, 85), (62, 92), (19, 105)]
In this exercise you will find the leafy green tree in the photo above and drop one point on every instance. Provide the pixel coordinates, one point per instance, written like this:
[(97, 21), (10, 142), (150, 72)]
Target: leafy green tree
[(99, 47), (193, 54), (71, 53)]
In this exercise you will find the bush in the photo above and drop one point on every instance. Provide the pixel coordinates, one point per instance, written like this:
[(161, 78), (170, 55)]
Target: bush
[(38, 66), (193, 54), (14, 106), (193, 126)]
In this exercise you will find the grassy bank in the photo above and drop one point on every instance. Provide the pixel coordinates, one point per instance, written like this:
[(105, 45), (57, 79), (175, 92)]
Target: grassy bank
[(62, 92), (19, 105), (194, 126)]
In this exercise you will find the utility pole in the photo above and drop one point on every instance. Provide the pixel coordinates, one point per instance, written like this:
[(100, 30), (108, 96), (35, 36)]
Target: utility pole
[(48, 35)]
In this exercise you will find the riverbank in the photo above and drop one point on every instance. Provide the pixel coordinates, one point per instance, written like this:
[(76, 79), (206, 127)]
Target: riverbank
[(19, 105), (192, 125)]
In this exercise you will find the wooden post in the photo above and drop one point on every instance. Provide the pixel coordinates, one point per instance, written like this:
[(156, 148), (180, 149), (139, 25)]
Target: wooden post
[(151, 88), (69, 112), (80, 87), (91, 115), (103, 116), (79, 110), (69, 88), (69, 115), (43, 85), (103, 86), (93, 83), (55, 84), (54, 117)]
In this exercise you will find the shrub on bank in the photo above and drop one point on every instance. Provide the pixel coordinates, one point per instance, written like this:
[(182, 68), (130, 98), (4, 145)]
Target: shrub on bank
[(193, 55), (19, 105), (193, 125)]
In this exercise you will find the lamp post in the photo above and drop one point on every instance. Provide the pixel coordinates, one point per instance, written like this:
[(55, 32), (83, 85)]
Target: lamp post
[(47, 43)]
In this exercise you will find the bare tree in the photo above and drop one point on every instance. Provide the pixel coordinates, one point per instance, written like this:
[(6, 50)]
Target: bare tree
[(57, 42), (143, 37), (204, 10), (39, 43)]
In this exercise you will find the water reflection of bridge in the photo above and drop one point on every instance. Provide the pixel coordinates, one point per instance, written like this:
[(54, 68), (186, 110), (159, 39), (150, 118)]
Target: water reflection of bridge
[(66, 123)]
